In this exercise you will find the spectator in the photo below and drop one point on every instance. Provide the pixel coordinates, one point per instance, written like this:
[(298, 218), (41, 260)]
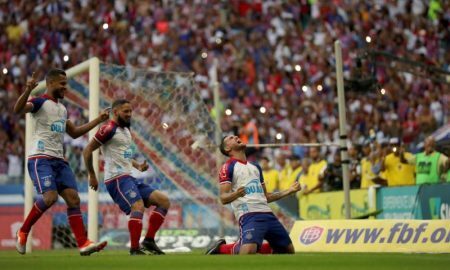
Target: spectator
[(284, 166), (316, 172), (430, 165), (15, 169), (333, 174), (271, 176), (306, 162), (398, 171), (354, 167), (295, 163), (367, 163), (249, 132)]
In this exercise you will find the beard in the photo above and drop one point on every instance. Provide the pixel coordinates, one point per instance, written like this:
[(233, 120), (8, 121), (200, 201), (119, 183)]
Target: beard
[(123, 123), (241, 147), (59, 93)]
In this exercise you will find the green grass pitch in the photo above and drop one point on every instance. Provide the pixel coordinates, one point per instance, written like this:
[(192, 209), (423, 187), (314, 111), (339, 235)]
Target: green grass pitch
[(120, 260)]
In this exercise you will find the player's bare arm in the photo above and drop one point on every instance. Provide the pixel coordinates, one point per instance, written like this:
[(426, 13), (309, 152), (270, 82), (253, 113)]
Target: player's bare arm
[(274, 196), (21, 105), (227, 196), (77, 131), (140, 166), (87, 155)]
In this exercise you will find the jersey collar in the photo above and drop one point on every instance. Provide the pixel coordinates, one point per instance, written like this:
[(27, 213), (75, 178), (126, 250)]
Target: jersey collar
[(117, 124), (238, 160), (49, 97)]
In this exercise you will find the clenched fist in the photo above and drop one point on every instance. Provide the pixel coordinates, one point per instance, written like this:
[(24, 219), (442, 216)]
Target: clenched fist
[(240, 191)]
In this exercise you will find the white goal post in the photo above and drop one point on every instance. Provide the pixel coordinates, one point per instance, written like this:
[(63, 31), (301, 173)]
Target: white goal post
[(93, 66)]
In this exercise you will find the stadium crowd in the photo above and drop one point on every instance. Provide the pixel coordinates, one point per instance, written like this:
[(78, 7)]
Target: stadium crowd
[(276, 71)]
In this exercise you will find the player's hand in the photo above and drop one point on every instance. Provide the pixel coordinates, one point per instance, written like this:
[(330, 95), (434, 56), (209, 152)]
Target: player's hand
[(240, 192), (143, 167), (295, 187), (93, 183), (104, 115), (32, 83)]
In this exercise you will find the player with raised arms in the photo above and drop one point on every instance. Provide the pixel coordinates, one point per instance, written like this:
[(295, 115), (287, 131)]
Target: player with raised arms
[(49, 171), (242, 185), (130, 194)]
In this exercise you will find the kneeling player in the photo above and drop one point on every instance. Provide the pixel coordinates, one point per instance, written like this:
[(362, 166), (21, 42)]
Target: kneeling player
[(242, 185), (132, 195)]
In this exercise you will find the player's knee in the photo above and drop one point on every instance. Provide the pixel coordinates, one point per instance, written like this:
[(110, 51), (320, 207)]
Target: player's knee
[(138, 206), (50, 197), (165, 202), (73, 200), (248, 249)]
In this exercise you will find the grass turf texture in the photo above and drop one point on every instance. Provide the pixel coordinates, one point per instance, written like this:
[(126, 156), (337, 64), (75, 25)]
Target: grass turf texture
[(120, 260)]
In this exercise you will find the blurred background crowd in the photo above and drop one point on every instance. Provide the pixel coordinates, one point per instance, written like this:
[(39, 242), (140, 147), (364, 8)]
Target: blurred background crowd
[(276, 72)]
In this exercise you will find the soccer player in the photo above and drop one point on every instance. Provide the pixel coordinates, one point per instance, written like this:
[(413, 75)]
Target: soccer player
[(131, 194), (50, 173), (242, 185)]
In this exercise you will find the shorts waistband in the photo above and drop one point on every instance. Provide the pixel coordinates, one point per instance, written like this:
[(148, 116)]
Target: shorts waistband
[(107, 181), (38, 156)]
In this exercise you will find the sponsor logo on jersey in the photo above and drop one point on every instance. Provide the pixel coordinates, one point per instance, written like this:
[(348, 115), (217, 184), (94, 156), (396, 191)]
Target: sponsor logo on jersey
[(103, 130), (254, 186), (58, 126), (128, 153), (40, 145), (243, 207)]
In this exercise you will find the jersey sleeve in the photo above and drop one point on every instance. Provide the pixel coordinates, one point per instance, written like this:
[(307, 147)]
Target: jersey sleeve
[(261, 176), (105, 133), (226, 173), (37, 103)]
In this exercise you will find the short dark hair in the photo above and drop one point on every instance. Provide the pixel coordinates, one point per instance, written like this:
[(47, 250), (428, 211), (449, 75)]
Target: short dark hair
[(54, 73), (119, 102), (265, 158), (222, 147)]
